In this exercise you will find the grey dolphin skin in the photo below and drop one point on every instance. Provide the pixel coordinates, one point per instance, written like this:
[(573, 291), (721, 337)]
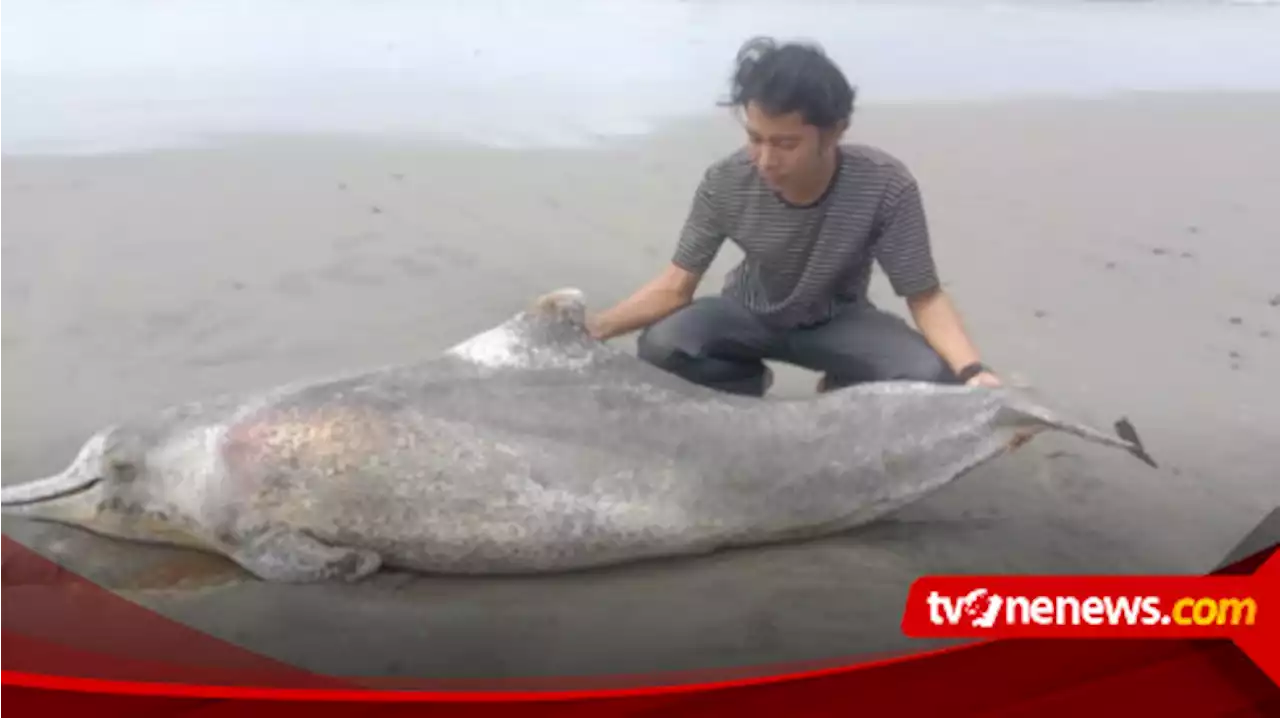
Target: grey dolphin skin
[(527, 448)]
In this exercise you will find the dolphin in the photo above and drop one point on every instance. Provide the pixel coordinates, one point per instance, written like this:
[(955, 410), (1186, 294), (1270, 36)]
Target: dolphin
[(530, 447)]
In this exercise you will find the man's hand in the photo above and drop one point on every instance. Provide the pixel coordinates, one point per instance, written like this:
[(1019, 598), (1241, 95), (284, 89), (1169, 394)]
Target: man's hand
[(595, 327), (986, 378), (659, 297)]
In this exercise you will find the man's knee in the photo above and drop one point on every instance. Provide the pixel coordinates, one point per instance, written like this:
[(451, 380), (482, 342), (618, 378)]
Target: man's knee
[(911, 361), (927, 365), (658, 343), (685, 333)]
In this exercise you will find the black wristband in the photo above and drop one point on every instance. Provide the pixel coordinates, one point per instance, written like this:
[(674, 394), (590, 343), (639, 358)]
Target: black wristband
[(970, 371)]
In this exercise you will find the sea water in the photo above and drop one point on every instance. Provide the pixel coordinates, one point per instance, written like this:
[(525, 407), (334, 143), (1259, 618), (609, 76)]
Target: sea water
[(106, 75)]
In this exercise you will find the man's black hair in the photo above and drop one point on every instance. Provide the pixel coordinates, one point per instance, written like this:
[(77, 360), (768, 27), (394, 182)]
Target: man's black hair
[(791, 77)]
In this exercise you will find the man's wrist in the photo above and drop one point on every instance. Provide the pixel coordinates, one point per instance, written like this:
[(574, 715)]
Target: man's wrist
[(600, 327), (972, 369), (595, 327)]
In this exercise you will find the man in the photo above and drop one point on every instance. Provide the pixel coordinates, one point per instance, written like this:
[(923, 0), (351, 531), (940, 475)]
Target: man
[(811, 215)]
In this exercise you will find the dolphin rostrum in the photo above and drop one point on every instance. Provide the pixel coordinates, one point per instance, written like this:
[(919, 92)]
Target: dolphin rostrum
[(530, 447)]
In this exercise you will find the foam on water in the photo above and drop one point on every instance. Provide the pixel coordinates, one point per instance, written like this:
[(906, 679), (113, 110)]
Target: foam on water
[(120, 74)]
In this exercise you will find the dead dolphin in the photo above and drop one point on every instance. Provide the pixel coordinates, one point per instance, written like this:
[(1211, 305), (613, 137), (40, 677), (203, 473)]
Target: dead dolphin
[(527, 448)]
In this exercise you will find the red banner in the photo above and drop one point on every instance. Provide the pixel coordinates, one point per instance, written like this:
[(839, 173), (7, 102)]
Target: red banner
[(72, 645)]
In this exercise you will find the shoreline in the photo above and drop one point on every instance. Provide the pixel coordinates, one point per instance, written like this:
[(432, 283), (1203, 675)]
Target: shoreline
[(648, 128)]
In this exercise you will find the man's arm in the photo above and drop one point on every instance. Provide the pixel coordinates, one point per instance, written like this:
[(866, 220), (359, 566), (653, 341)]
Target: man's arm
[(940, 323), (674, 287), (904, 252), (659, 297)]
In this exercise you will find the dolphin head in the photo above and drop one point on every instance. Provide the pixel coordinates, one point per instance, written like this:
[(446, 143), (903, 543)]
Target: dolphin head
[(74, 495), (108, 488)]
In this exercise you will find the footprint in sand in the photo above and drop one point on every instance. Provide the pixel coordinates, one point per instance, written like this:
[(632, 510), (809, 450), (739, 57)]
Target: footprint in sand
[(163, 322), (347, 271), (460, 258), (232, 355), (415, 267), (193, 323), (294, 284), (355, 241), (17, 291)]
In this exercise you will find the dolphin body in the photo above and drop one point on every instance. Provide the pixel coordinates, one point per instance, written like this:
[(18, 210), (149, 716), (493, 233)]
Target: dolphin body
[(527, 448)]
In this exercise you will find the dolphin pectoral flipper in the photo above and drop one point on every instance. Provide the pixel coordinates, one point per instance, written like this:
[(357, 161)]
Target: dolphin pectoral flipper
[(291, 556)]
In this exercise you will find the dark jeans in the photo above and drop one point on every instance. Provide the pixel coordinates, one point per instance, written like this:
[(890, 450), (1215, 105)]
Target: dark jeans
[(716, 342)]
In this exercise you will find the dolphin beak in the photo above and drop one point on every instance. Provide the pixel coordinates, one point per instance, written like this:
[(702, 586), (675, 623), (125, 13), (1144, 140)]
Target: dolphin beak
[(23, 497)]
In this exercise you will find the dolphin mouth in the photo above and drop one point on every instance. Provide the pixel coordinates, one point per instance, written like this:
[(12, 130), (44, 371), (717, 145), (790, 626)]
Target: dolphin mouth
[(53, 488)]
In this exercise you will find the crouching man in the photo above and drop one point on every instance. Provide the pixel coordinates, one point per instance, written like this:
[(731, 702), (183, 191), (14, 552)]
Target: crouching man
[(811, 214)]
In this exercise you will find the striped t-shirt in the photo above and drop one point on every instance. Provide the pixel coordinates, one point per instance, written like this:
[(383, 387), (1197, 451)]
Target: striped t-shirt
[(802, 262)]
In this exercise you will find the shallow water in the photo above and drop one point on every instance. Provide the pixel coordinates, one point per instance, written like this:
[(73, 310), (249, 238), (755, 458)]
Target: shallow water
[(127, 74)]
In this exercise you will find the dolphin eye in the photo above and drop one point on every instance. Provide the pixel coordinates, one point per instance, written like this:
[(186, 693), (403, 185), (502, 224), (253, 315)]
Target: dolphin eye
[(121, 470)]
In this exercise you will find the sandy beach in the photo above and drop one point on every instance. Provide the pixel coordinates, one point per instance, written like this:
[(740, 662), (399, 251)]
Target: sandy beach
[(1119, 254)]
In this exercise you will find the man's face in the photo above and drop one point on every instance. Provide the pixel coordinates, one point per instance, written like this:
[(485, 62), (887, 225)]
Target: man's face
[(783, 147)]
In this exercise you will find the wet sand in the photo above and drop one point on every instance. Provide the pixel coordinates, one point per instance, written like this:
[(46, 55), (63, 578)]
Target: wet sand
[(1118, 253)]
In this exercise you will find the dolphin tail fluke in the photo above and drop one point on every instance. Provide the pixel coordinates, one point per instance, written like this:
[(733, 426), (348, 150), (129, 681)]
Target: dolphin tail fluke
[(1125, 430), (1024, 412)]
